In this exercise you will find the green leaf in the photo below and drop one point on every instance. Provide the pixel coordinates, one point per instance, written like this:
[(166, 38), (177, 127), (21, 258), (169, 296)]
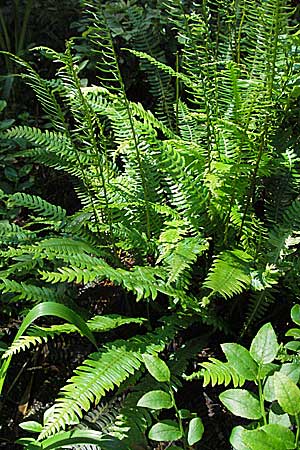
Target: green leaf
[(236, 438), (269, 389), (29, 443), (166, 430), (156, 400), (293, 345), (74, 437), (270, 437), (241, 403), (175, 447), (287, 393), (277, 416), (264, 346), (291, 370), (6, 123), (241, 360), (48, 309), (295, 314), (11, 174), (157, 367), (3, 105), (31, 425), (293, 332), (196, 430)]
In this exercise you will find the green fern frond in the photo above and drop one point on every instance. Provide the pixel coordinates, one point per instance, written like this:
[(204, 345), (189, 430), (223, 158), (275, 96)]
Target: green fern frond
[(281, 240), (180, 258), (37, 204), (229, 274), (216, 372), (43, 92), (11, 233), (259, 303), (102, 372), (27, 291), (37, 335)]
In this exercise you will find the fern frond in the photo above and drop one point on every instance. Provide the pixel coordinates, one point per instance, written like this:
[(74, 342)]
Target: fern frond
[(216, 372), (181, 257), (100, 373), (27, 291), (37, 204), (37, 335), (43, 92), (11, 233), (230, 273)]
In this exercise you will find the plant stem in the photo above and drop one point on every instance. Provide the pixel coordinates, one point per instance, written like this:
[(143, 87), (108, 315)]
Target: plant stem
[(298, 430), (261, 399), (178, 416), (20, 43)]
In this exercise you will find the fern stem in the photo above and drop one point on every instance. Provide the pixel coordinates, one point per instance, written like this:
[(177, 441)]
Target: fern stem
[(177, 95), (238, 47), (88, 117), (130, 118), (251, 192)]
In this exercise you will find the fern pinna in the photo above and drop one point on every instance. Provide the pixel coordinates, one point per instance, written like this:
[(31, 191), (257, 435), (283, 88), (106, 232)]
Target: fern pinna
[(179, 192)]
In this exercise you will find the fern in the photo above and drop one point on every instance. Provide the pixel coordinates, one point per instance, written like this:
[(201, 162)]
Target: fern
[(37, 335), (216, 372), (102, 372), (37, 204), (230, 273)]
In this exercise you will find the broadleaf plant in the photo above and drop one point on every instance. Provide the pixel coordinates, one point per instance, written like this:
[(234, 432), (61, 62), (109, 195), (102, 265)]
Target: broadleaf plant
[(273, 402)]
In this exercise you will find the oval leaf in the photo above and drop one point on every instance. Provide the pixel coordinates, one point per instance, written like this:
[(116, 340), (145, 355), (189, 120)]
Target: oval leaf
[(157, 367), (237, 438), (276, 416), (293, 332), (240, 359), (196, 430), (31, 425), (295, 314), (166, 430), (156, 400), (291, 370), (287, 393), (74, 437), (271, 437), (264, 346), (241, 403)]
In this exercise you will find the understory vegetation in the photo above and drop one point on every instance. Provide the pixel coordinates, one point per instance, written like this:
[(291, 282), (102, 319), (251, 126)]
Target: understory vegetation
[(168, 131)]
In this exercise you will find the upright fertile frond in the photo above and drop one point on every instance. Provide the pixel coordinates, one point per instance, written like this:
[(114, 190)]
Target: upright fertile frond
[(283, 238), (103, 47), (44, 94), (145, 39)]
